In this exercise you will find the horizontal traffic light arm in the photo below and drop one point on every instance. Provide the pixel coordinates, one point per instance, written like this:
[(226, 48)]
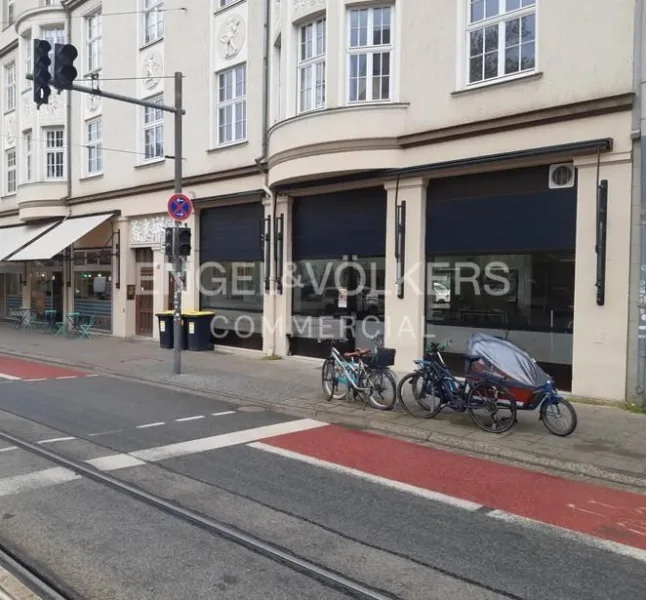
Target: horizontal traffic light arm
[(110, 95)]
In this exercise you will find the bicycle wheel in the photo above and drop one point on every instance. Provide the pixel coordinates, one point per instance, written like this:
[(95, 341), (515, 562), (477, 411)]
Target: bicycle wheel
[(559, 409), (332, 381), (418, 396), (485, 396), (383, 389)]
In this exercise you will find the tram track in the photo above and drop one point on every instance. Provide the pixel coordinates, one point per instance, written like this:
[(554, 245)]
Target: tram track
[(328, 577)]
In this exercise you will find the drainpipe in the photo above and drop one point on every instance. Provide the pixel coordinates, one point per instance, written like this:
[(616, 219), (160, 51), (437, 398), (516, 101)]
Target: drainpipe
[(640, 129), (68, 124), (261, 161)]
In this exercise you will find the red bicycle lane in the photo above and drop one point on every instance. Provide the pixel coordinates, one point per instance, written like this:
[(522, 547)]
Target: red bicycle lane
[(16, 369), (602, 512)]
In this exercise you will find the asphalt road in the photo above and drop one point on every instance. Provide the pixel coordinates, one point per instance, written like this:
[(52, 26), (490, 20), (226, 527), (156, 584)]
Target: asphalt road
[(189, 449)]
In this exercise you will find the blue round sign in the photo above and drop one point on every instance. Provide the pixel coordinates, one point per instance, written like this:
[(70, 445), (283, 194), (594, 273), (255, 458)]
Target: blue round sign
[(180, 207)]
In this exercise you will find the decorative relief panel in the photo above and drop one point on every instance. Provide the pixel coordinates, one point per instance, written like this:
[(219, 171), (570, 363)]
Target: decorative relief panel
[(230, 31), (10, 131), (301, 7), (151, 71), (52, 113), (149, 231), (231, 37), (26, 111), (93, 106)]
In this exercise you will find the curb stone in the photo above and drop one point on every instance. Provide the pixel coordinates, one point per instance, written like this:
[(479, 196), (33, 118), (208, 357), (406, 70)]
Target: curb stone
[(536, 460)]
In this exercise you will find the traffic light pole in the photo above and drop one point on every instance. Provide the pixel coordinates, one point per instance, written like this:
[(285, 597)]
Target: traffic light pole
[(177, 319), (179, 112)]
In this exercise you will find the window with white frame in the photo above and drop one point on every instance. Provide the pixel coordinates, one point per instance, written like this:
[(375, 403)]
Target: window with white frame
[(10, 87), (153, 130), (226, 2), (11, 170), (501, 38), (311, 66), (28, 57), (153, 23), (54, 35), (232, 105), (11, 12), (55, 153), (28, 143), (93, 42), (370, 59), (94, 146)]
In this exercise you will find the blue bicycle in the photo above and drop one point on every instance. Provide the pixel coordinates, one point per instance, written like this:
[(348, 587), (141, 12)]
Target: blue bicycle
[(434, 388)]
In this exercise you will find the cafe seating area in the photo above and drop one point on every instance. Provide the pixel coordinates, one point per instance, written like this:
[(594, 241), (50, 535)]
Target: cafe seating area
[(71, 325)]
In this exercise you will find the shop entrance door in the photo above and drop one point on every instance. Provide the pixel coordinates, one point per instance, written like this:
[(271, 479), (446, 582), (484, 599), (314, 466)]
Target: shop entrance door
[(145, 287)]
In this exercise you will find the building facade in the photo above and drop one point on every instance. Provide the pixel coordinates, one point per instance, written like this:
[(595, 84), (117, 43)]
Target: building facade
[(409, 168)]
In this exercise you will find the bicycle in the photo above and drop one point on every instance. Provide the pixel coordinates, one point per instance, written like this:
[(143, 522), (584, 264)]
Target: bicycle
[(367, 373), (432, 379)]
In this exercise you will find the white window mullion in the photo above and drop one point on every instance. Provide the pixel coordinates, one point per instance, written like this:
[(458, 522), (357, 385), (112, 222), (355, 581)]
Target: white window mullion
[(232, 105)]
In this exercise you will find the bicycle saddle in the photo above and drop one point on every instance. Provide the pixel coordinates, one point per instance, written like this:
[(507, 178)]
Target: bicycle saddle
[(359, 352)]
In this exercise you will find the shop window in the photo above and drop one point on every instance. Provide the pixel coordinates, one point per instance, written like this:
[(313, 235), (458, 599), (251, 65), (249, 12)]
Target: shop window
[(93, 296), (232, 285), (522, 292), (330, 287)]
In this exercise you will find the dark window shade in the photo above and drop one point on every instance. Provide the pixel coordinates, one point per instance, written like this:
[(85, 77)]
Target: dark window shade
[(231, 233), (334, 225), (514, 223)]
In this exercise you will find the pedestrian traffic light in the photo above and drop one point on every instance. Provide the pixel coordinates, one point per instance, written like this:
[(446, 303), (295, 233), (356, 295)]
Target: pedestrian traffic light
[(168, 241), (184, 242), (64, 70), (41, 74)]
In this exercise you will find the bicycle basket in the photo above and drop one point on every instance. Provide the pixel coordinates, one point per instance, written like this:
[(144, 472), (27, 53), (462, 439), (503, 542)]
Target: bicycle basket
[(383, 357)]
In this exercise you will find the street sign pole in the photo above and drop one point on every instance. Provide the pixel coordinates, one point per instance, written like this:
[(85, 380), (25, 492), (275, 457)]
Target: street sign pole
[(177, 322)]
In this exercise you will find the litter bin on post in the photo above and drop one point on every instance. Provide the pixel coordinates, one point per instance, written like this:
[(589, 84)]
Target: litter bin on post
[(199, 329), (167, 330)]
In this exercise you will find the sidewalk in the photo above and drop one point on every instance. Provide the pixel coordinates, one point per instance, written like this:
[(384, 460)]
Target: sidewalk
[(608, 444)]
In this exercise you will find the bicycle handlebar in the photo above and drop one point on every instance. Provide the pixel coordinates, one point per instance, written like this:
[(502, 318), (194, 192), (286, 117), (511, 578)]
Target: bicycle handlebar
[(438, 346)]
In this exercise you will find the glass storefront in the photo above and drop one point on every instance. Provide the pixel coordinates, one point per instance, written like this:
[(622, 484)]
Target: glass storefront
[(527, 297), (93, 286), (11, 295)]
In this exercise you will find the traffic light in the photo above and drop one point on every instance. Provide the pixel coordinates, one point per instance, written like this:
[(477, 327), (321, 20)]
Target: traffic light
[(64, 70), (184, 242), (168, 241), (42, 75)]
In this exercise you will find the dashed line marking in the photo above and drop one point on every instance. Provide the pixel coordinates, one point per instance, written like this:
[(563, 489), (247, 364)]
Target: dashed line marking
[(147, 425), (67, 377), (195, 418), (93, 375), (104, 432), (224, 412), (33, 380), (54, 440), (8, 448)]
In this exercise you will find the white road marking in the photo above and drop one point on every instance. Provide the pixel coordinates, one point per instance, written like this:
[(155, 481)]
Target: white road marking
[(150, 425), (56, 475), (114, 462), (68, 377), (8, 449), (195, 418), (397, 485), (93, 375), (9, 377), (53, 440), (575, 536), (34, 380), (105, 432), (226, 439), (38, 479), (224, 412)]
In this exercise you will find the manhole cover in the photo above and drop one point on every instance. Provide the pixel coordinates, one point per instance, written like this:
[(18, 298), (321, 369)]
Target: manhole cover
[(251, 409)]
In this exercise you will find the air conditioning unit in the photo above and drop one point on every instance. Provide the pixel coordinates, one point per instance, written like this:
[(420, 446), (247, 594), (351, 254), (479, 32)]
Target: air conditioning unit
[(562, 176)]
